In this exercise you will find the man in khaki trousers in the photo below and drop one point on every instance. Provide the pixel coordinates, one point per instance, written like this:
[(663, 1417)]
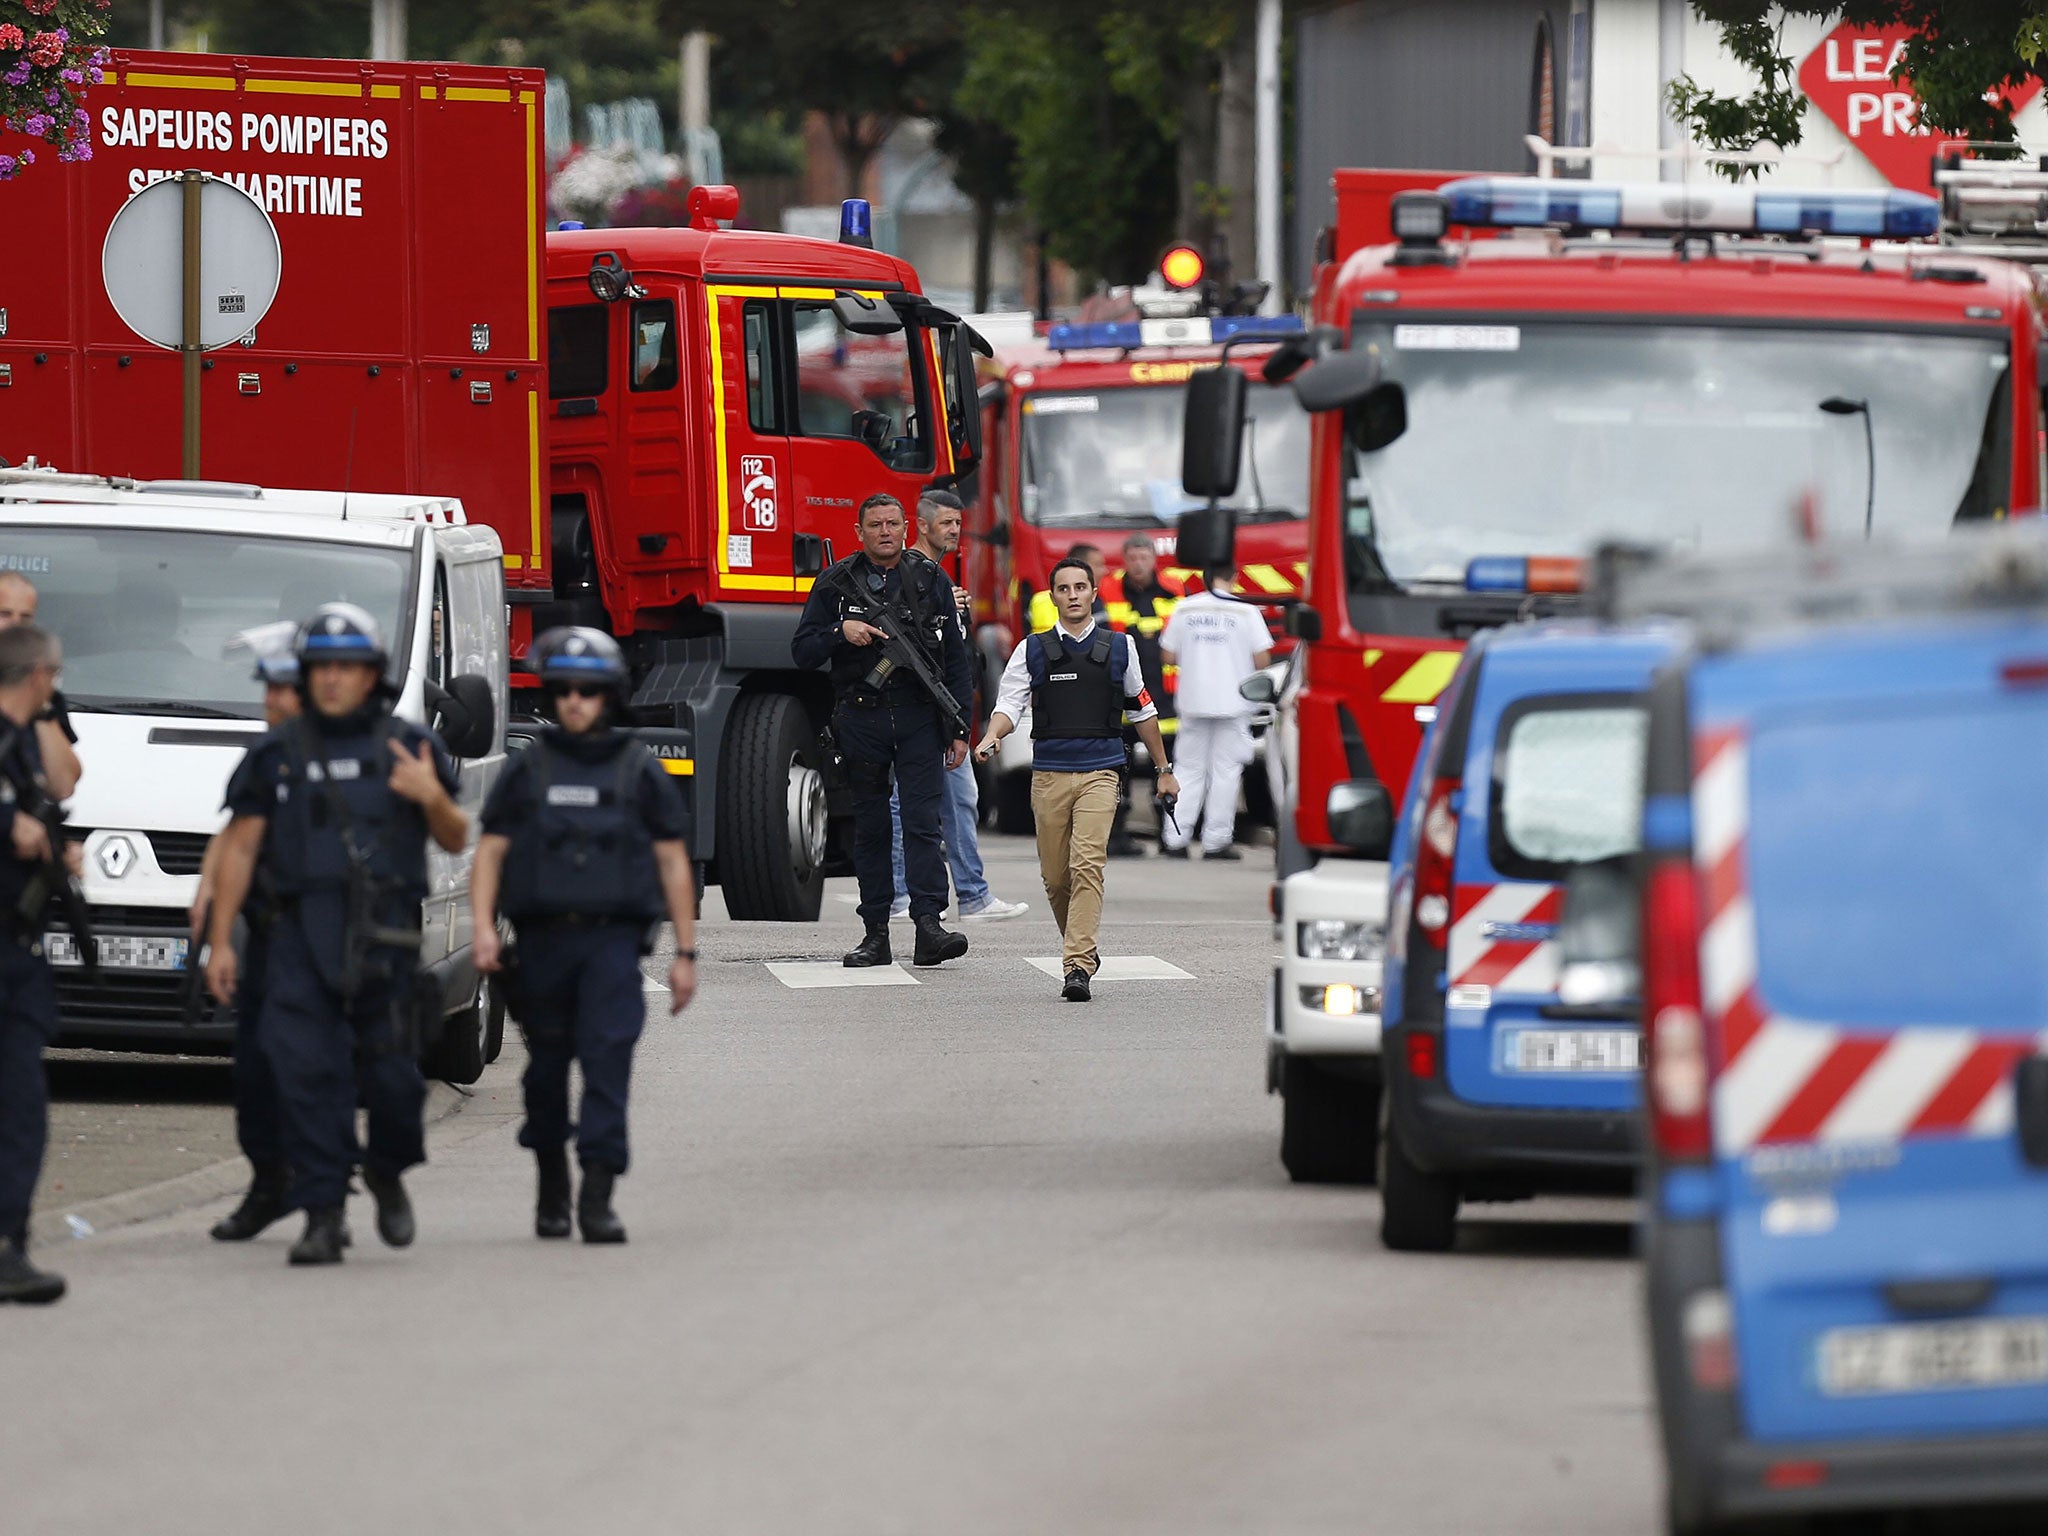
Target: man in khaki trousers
[(1080, 680)]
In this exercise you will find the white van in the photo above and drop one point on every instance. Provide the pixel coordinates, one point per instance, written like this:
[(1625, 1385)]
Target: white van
[(146, 584)]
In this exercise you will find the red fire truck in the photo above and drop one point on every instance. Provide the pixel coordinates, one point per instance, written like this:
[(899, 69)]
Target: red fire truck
[(1648, 363), (675, 466), (1084, 442)]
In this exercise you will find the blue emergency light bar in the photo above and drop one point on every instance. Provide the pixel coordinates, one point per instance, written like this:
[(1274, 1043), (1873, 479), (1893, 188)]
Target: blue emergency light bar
[(1196, 331), (1524, 202), (1525, 573)]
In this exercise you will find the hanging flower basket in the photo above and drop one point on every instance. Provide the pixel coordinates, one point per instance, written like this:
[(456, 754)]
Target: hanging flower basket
[(49, 56)]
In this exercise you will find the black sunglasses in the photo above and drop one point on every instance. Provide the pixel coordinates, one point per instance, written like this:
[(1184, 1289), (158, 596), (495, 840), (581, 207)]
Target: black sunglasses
[(576, 690)]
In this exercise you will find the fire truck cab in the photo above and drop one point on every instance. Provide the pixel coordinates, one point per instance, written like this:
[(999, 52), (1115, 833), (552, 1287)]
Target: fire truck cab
[(1689, 366), (719, 404)]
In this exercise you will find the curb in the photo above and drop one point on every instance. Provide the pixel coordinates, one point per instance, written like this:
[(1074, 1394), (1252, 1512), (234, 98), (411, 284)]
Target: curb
[(227, 1177)]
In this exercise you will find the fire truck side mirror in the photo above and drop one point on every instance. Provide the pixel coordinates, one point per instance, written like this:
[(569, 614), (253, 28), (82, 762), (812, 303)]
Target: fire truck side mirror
[(865, 316), (1212, 436), (1339, 380), (1206, 539), (963, 398), (1380, 418)]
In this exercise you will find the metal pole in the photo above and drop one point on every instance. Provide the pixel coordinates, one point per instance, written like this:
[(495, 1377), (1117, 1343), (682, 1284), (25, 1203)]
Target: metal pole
[(156, 24), (189, 338), (1266, 175)]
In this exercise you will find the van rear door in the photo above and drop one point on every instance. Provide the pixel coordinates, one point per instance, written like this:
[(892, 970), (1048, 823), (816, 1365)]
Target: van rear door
[(1552, 779), (1872, 846)]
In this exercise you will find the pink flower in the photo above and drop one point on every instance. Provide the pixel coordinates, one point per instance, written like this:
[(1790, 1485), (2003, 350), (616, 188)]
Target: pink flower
[(11, 35), (45, 49), (40, 7)]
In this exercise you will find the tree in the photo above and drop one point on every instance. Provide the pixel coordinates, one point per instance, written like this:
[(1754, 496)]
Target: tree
[(1961, 54)]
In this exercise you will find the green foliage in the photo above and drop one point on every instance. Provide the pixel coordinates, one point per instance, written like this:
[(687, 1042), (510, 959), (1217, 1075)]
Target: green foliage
[(1961, 51)]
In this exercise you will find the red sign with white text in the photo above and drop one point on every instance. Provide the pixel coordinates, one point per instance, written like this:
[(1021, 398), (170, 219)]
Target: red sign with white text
[(1851, 78)]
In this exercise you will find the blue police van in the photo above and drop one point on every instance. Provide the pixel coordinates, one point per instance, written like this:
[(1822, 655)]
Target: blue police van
[(1496, 1086), (1843, 898)]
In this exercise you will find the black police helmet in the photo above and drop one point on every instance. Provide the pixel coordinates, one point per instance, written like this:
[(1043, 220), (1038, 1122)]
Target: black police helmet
[(576, 653), (341, 632)]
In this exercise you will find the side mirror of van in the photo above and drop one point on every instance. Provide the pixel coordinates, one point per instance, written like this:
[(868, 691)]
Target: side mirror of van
[(1362, 817), (464, 716), (1212, 433), (1259, 688), (1599, 947)]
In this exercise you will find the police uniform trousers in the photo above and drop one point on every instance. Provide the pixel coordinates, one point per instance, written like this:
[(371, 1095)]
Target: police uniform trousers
[(580, 998), (327, 1055), (257, 1124), (903, 734), (28, 1022)]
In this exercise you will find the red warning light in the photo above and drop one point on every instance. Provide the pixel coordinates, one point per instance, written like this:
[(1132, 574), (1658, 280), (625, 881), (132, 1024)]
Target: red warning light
[(1182, 266)]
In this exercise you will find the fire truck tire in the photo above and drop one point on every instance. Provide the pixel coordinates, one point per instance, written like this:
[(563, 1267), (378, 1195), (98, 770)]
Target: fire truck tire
[(1013, 805), (771, 813), (1418, 1210), (1327, 1124)]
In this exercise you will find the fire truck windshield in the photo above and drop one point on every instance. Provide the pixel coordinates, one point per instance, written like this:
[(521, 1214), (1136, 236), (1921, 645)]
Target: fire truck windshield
[(1112, 456), (146, 615), (1542, 439)]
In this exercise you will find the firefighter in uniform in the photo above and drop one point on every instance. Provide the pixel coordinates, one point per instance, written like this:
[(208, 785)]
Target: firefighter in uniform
[(891, 726), (29, 660), (348, 796), (583, 850), (1139, 600), (1079, 681), (257, 1128)]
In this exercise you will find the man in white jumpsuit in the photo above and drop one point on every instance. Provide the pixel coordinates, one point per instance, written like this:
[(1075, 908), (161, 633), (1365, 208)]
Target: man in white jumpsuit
[(1217, 642)]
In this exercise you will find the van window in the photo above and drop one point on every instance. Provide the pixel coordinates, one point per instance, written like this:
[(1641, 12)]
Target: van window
[(654, 346), (862, 387), (579, 343), (1896, 863), (1567, 783), (148, 616)]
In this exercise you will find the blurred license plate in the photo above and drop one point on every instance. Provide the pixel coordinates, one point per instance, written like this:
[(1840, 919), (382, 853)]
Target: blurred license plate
[(1575, 1050), (1916, 1357), (120, 951)]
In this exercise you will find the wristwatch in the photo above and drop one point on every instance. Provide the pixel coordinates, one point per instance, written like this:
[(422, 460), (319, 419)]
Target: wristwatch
[(687, 954)]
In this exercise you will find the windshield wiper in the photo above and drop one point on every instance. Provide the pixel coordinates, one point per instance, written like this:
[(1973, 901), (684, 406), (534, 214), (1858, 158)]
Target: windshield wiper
[(151, 707)]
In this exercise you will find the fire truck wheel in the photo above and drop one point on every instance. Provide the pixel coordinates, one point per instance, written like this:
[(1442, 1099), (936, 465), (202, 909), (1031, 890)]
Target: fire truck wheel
[(1327, 1124), (771, 813), (1013, 805)]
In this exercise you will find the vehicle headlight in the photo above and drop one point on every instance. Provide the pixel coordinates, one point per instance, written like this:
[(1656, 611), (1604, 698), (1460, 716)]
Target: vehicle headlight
[(1332, 938)]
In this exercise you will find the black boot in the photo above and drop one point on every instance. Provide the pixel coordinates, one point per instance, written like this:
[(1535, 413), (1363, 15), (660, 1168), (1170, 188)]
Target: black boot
[(551, 1208), (872, 950), (322, 1241), (1076, 988), (262, 1205), (935, 945), (394, 1208), (594, 1206), (21, 1281)]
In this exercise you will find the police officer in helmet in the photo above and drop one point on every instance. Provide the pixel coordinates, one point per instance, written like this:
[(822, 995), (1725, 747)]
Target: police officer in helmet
[(338, 806), (892, 727), (29, 661), (257, 1125), (583, 849)]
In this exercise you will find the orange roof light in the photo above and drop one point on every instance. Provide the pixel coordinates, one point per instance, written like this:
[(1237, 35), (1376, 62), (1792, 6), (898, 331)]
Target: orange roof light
[(1182, 266)]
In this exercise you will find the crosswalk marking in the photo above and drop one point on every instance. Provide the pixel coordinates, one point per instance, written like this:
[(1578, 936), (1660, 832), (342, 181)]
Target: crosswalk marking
[(830, 973), (1118, 968)]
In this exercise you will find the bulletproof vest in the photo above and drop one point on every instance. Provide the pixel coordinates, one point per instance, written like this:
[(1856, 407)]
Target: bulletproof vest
[(857, 600), (339, 794), (1077, 693), (585, 848)]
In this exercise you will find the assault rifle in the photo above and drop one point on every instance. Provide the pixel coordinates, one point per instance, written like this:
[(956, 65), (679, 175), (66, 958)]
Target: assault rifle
[(902, 653), (51, 885)]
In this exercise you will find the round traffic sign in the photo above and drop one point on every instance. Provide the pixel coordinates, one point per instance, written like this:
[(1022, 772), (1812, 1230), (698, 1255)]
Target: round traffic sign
[(143, 263)]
